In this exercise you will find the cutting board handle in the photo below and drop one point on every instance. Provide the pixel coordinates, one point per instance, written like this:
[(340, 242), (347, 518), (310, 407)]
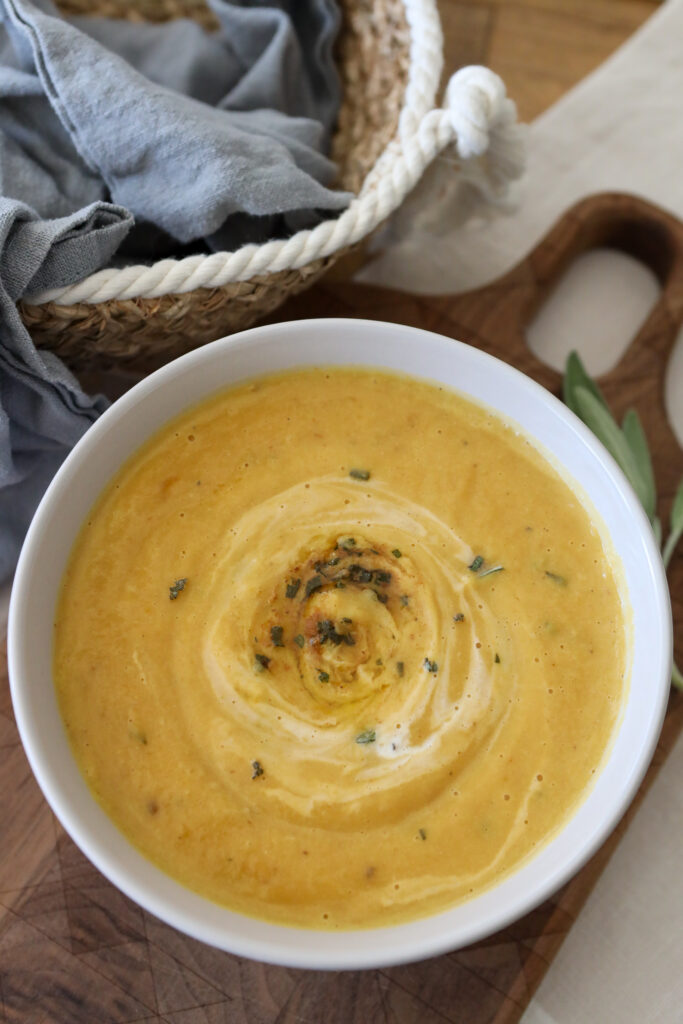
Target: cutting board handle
[(632, 226)]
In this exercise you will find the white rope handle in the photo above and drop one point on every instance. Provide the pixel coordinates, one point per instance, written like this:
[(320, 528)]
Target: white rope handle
[(478, 119)]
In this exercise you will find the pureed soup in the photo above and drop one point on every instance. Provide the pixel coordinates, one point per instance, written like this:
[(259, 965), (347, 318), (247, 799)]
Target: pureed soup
[(339, 648)]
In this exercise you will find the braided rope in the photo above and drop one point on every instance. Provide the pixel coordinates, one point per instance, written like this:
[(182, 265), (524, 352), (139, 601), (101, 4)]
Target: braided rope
[(477, 118)]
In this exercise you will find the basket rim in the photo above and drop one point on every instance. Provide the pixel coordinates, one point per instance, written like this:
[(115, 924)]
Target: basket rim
[(177, 276)]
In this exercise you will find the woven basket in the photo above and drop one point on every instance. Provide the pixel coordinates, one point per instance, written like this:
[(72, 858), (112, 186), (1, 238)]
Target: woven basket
[(389, 58)]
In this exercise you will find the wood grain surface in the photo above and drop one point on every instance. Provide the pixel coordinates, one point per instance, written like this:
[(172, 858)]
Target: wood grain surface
[(74, 950), (541, 48)]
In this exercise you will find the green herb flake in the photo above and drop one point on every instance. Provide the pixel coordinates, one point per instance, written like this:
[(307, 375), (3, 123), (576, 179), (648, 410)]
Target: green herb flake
[(347, 543), (315, 583), (360, 474), (476, 565), (382, 598), (359, 574), (324, 677), (339, 585), (422, 833), (261, 662), (556, 578), (459, 617), (430, 666), (490, 571), (276, 636), (292, 588), (299, 640), (405, 600), (327, 632), (256, 769), (396, 553), (367, 736), (400, 668), (497, 659), (175, 589)]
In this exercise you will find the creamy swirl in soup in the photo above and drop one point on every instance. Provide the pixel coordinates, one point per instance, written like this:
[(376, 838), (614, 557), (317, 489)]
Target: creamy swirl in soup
[(340, 648)]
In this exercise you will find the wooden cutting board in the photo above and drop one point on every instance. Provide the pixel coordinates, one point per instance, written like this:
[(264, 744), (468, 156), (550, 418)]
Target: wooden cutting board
[(73, 950)]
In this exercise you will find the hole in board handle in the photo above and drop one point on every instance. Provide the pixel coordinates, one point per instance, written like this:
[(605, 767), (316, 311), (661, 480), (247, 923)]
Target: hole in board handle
[(597, 307)]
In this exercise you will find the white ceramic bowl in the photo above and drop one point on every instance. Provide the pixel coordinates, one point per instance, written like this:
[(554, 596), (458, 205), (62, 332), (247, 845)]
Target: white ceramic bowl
[(334, 342)]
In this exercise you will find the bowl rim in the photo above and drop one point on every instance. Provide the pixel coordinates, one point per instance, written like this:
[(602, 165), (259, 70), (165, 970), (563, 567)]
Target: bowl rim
[(272, 943)]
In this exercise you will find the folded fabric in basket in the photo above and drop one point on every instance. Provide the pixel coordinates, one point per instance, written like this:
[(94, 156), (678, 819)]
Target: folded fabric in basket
[(142, 140)]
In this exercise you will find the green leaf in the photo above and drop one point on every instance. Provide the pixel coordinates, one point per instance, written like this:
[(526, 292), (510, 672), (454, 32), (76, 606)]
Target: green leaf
[(657, 530), (598, 418), (637, 442), (675, 526), (575, 376)]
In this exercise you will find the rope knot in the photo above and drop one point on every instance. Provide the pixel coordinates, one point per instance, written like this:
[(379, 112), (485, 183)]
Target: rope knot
[(476, 104)]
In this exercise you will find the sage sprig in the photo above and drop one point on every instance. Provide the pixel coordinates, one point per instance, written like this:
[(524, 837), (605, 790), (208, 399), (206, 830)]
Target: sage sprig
[(628, 445)]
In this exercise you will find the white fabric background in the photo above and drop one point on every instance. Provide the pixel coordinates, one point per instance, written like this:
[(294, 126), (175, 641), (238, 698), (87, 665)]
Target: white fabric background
[(619, 129)]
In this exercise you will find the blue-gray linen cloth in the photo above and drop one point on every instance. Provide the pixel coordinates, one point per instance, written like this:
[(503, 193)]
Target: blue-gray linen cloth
[(122, 141)]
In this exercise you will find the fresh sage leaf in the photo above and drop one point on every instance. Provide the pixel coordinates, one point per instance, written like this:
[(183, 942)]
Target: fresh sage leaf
[(657, 530), (675, 526), (599, 419), (635, 438), (575, 376)]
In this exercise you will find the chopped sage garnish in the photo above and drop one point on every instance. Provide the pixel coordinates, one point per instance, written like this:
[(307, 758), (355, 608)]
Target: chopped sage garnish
[(405, 600), (422, 833), (400, 668), (339, 585), (430, 666), (276, 636), (396, 553), (359, 574), (348, 543), (488, 572), (262, 661), (324, 677), (360, 474), (556, 578), (459, 617), (381, 576), (382, 598), (315, 583), (497, 658), (327, 631), (367, 736), (175, 589), (292, 588), (299, 640), (476, 565), (256, 769)]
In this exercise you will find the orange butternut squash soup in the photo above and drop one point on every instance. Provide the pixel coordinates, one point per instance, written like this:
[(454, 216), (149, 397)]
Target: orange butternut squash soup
[(339, 648)]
